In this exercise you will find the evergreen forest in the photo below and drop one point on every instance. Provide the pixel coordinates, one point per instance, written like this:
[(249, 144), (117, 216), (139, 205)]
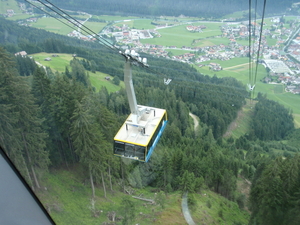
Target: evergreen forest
[(191, 8), (51, 120)]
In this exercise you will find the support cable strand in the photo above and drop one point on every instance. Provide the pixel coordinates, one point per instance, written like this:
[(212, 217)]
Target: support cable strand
[(76, 24)]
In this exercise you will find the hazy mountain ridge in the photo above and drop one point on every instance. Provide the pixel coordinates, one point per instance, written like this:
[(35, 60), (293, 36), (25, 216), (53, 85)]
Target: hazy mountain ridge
[(195, 8)]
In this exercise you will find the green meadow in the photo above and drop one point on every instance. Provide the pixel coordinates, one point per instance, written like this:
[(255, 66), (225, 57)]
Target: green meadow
[(98, 81), (211, 208), (60, 63), (204, 42), (83, 17), (179, 36), (178, 51), (95, 26), (9, 4), (57, 63), (19, 17), (271, 41), (114, 18), (141, 24), (53, 25)]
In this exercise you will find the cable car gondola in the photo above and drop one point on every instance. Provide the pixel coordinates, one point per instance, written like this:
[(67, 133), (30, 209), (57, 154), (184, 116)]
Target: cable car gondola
[(140, 133)]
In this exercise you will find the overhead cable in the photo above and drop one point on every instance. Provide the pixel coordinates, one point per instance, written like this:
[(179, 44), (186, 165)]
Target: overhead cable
[(76, 24)]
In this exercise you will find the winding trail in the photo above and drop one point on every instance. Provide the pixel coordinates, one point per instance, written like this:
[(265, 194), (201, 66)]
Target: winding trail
[(186, 211), (196, 121), (184, 204)]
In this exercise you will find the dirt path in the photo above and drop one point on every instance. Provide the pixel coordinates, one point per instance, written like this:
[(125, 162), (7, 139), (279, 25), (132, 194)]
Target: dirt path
[(228, 68), (242, 114), (186, 211), (234, 123), (196, 121)]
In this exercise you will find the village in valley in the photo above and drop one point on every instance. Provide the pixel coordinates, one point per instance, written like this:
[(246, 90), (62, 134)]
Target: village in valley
[(280, 59), (281, 65)]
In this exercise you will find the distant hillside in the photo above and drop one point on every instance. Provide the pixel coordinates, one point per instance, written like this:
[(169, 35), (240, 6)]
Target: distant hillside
[(195, 8)]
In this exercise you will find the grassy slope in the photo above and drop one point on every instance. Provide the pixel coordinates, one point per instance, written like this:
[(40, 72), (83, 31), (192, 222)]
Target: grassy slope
[(59, 64), (9, 4), (68, 195), (241, 124), (53, 25), (221, 211)]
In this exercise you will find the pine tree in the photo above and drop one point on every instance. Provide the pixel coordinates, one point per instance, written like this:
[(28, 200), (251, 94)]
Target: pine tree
[(23, 122), (128, 209), (89, 143)]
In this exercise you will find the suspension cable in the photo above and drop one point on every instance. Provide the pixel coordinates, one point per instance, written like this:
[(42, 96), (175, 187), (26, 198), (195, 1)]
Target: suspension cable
[(107, 43), (77, 25)]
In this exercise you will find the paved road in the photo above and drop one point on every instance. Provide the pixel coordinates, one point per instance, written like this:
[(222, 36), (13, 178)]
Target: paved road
[(185, 210)]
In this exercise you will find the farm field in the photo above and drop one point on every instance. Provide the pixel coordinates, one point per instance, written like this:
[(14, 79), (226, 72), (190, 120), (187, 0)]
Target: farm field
[(19, 16), (114, 18), (203, 42), (179, 36), (142, 24), (95, 26), (52, 25), (178, 51)]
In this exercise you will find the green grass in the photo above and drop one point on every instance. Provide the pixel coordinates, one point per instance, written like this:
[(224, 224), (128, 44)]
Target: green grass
[(271, 41), (114, 18), (83, 17), (242, 42), (242, 124), (142, 24), (20, 17), (278, 89), (63, 60), (68, 197), (179, 36), (98, 81), (297, 120), (52, 25), (203, 214), (178, 52), (211, 41), (9, 4), (57, 63), (230, 63), (95, 26)]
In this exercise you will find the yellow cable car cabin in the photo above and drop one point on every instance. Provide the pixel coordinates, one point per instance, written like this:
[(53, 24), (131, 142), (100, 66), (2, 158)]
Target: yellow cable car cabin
[(137, 141), (143, 128)]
